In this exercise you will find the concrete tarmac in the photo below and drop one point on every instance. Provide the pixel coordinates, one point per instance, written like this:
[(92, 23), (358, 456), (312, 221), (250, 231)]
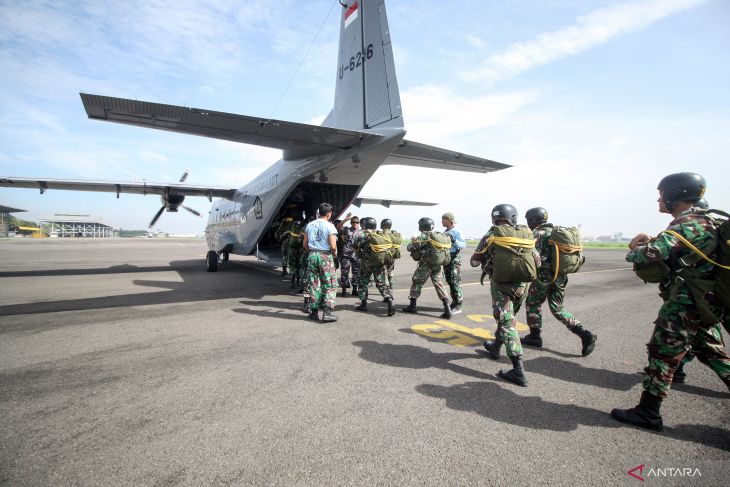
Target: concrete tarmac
[(122, 362)]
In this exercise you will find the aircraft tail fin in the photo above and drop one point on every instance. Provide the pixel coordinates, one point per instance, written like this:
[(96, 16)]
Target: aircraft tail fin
[(366, 90)]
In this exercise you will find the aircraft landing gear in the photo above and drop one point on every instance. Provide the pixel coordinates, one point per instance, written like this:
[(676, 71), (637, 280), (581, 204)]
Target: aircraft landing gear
[(211, 261)]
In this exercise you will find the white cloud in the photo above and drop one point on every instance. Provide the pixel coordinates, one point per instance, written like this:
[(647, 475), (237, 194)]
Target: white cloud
[(437, 112), (590, 30)]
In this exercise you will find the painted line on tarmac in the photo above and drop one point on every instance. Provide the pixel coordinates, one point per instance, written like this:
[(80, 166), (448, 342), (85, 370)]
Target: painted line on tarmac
[(486, 281)]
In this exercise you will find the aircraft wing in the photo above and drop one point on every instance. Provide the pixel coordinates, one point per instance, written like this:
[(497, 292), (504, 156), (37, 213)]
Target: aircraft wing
[(388, 203), (297, 140), (118, 187), (416, 154)]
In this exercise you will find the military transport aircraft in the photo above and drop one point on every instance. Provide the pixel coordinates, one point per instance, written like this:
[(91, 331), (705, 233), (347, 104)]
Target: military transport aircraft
[(331, 162)]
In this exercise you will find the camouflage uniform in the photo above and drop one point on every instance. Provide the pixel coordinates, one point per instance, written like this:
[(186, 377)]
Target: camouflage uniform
[(553, 292), (304, 273), (389, 269), (679, 325), (506, 301), (378, 273), (452, 271), (322, 279), (282, 234), (424, 269), (295, 255), (348, 258)]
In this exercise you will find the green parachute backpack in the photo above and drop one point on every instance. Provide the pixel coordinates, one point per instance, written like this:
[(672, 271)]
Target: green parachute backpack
[(296, 245), (512, 259), (438, 253), (566, 251), (377, 252), (396, 240)]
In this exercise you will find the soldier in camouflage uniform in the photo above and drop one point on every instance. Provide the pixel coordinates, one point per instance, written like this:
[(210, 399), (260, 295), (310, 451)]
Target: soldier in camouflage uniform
[(688, 319), (452, 270), (296, 242), (386, 228), (320, 239), (348, 258), (282, 235), (378, 273), (421, 246), (506, 300), (554, 292)]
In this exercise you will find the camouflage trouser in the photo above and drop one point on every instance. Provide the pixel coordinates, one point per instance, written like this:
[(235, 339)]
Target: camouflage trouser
[(304, 273), (677, 330), (452, 272), (554, 293), (391, 282), (506, 302), (725, 324), (423, 272), (285, 252), (295, 265), (347, 262), (380, 275), (322, 279)]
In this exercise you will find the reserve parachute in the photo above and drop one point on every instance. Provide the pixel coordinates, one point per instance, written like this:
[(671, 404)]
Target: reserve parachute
[(438, 253)]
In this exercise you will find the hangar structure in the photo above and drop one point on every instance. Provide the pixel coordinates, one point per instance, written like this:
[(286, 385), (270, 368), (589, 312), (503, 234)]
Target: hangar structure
[(5, 212), (79, 226)]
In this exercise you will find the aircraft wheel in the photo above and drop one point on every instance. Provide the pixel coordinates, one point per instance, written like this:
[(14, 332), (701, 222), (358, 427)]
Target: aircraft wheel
[(211, 261), (225, 256)]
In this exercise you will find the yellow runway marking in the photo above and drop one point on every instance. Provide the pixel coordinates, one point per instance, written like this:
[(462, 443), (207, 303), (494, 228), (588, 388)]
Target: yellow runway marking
[(460, 335)]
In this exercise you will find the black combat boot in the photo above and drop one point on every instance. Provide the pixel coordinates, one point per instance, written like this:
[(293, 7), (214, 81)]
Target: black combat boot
[(328, 316), (587, 338), (645, 415), (363, 305), (354, 290), (391, 306), (517, 374), (411, 308), (532, 339), (680, 376), (493, 346), (313, 315), (447, 310)]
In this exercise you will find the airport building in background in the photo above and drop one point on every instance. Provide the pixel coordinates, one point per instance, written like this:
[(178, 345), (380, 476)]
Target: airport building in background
[(76, 226), (5, 212)]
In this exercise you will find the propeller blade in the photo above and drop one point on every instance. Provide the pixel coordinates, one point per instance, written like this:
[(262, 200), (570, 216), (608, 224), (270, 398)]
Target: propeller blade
[(191, 210), (154, 220), (184, 176)]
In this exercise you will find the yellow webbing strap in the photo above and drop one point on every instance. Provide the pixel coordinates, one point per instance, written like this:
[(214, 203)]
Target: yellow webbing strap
[(439, 245), (295, 235), (382, 247), (696, 250), (525, 243)]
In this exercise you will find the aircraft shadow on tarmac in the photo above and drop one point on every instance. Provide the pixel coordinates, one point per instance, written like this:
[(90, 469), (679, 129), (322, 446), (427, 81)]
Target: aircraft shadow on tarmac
[(238, 281), (492, 400)]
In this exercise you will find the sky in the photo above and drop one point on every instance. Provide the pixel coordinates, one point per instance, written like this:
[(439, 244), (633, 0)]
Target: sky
[(591, 102)]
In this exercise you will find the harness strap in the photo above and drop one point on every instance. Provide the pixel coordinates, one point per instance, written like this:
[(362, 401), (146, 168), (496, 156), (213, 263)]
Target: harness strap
[(695, 249)]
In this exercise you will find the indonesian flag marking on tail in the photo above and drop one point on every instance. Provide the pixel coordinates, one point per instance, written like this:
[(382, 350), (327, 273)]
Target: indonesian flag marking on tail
[(350, 14)]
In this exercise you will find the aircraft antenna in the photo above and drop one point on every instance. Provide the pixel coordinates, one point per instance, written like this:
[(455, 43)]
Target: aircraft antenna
[(302, 58)]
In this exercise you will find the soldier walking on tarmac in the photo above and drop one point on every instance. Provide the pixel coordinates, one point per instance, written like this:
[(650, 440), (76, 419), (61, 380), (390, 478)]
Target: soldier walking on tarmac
[(452, 271), (549, 286), (348, 259), (507, 254), (692, 310), (431, 255)]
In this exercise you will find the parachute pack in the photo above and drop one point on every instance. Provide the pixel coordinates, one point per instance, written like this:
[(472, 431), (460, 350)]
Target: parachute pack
[(566, 251), (438, 254), (512, 254), (382, 248)]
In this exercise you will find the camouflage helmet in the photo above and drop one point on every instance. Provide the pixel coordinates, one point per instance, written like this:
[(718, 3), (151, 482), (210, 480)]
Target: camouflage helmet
[(681, 186), (536, 216), (425, 224), (386, 223), (368, 223), (702, 203), (504, 212)]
